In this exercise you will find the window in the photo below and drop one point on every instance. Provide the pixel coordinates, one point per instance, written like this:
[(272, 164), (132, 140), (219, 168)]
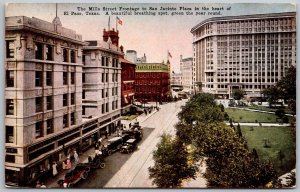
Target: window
[(65, 55), (83, 110), (72, 98), (65, 100), (65, 121), (83, 59), (9, 130), (107, 90), (72, 78), (65, 78), (50, 126), (106, 61), (103, 108), (10, 49), (83, 94), (9, 107), (103, 95), (10, 79), (106, 77), (39, 51), (10, 158), (107, 107), (83, 77), (49, 78), (49, 103), (72, 118), (73, 58), (49, 52), (39, 129), (38, 78), (103, 61), (38, 104), (102, 79), (113, 105)]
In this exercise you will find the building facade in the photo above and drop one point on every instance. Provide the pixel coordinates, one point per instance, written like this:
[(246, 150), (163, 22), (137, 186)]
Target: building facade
[(101, 77), (131, 56), (128, 84), (186, 68), (152, 82), (43, 97), (249, 52)]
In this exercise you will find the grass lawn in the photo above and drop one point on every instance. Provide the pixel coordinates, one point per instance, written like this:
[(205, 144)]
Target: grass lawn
[(239, 115), (129, 117), (265, 108), (280, 138)]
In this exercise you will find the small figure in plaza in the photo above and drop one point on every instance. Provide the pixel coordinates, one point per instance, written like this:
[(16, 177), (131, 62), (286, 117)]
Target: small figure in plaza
[(96, 146), (129, 125), (69, 164), (65, 185), (106, 133), (43, 185), (100, 141), (64, 166), (54, 169), (76, 157), (38, 184)]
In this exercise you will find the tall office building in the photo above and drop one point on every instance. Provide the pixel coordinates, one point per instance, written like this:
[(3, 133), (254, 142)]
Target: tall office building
[(186, 68), (249, 52), (43, 97), (101, 96)]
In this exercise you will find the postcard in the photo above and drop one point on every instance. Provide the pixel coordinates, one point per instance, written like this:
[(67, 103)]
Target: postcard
[(150, 95)]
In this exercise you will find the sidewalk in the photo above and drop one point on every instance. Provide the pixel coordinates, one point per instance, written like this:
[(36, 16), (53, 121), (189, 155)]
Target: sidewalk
[(51, 182)]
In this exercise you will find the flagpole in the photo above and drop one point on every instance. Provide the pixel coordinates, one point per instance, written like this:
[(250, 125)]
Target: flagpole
[(168, 55), (108, 23), (116, 24)]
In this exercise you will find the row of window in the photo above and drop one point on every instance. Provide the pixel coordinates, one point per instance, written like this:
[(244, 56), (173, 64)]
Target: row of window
[(39, 78), (39, 103), (43, 52)]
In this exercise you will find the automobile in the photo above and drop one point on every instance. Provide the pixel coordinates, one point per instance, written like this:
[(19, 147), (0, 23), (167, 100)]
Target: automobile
[(96, 162), (134, 134), (114, 144), (81, 171), (136, 125), (125, 137), (129, 146)]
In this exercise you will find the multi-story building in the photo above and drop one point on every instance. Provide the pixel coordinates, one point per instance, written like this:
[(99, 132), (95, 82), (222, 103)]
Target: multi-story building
[(128, 84), (101, 77), (186, 68), (176, 81), (152, 82), (131, 56), (43, 97), (249, 52)]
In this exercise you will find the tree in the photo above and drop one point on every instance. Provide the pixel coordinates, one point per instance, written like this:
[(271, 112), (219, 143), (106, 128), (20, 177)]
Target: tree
[(272, 95), (254, 153), (238, 94), (238, 130), (171, 163)]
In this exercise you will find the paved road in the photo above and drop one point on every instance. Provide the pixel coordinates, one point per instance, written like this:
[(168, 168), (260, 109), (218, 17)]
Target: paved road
[(134, 173)]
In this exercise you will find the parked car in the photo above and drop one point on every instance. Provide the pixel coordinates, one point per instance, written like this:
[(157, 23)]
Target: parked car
[(129, 146), (125, 137), (114, 144), (136, 125), (81, 171), (96, 162), (134, 134)]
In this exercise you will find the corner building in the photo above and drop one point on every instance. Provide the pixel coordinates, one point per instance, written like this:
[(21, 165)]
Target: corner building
[(249, 52), (152, 82), (43, 97)]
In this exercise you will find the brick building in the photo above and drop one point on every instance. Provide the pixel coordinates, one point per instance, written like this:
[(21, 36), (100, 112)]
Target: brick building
[(128, 84), (152, 82)]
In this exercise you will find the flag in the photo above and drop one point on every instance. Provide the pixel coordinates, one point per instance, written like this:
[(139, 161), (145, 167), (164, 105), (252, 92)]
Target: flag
[(119, 21), (169, 54)]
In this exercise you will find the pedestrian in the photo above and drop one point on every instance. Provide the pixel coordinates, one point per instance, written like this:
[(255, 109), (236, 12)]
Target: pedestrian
[(54, 169), (76, 157), (38, 185), (43, 185), (100, 141), (106, 133), (69, 164), (129, 125), (64, 166), (65, 185)]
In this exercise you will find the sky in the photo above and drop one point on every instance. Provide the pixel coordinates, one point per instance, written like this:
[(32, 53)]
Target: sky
[(152, 35)]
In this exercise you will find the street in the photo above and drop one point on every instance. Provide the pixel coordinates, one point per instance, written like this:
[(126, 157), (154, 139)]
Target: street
[(131, 170)]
